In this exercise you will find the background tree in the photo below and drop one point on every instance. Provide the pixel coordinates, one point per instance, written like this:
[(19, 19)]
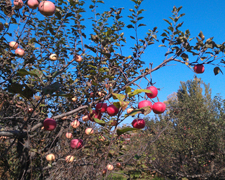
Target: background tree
[(193, 144)]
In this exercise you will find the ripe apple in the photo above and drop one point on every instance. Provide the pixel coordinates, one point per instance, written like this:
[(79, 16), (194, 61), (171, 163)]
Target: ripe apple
[(18, 4), (97, 115), (75, 124), (13, 45), (78, 58), (19, 52), (138, 123), (74, 99), (101, 107), (85, 118), (104, 171), (110, 167), (50, 157), (76, 143), (53, 57), (30, 110), (69, 135), (100, 94), (129, 110), (69, 158), (49, 124), (199, 68), (89, 131), (158, 107), (118, 165), (1, 26), (47, 8), (112, 110), (33, 4), (144, 103), (154, 92)]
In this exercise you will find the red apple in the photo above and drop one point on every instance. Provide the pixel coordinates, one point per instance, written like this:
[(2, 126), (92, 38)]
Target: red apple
[(13, 45), (78, 58), (33, 4), (154, 92), (69, 135), (94, 114), (138, 123), (118, 165), (199, 68), (112, 110), (144, 103), (49, 124), (1, 26), (76, 143), (19, 52), (46, 8), (158, 107), (101, 107), (18, 4)]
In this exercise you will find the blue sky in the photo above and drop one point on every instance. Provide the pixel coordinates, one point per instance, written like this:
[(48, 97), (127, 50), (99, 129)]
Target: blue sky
[(205, 16)]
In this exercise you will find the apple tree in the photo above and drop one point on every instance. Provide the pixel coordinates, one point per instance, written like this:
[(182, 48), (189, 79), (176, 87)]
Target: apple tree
[(51, 66)]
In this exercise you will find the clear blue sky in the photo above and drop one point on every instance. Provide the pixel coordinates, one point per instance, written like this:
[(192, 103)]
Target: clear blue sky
[(200, 15)]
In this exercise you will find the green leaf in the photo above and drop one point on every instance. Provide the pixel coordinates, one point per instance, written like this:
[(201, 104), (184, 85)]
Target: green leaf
[(128, 89), (52, 31), (124, 130), (141, 25), (22, 72), (217, 70), (120, 97), (168, 22), (58, 15), (51, 88), (117, 104), (23, 90), (101, 122), (35, 72), (138, 91), (57, 73), (62, 94), (130, 26), (124, 104), (134, 112)]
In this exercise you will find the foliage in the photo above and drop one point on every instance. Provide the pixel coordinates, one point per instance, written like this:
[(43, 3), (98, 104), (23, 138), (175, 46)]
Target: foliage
[(193, 144)]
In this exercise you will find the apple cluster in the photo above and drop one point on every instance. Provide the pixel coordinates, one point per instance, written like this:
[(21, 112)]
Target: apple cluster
[(158, 107), (46, 8)]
